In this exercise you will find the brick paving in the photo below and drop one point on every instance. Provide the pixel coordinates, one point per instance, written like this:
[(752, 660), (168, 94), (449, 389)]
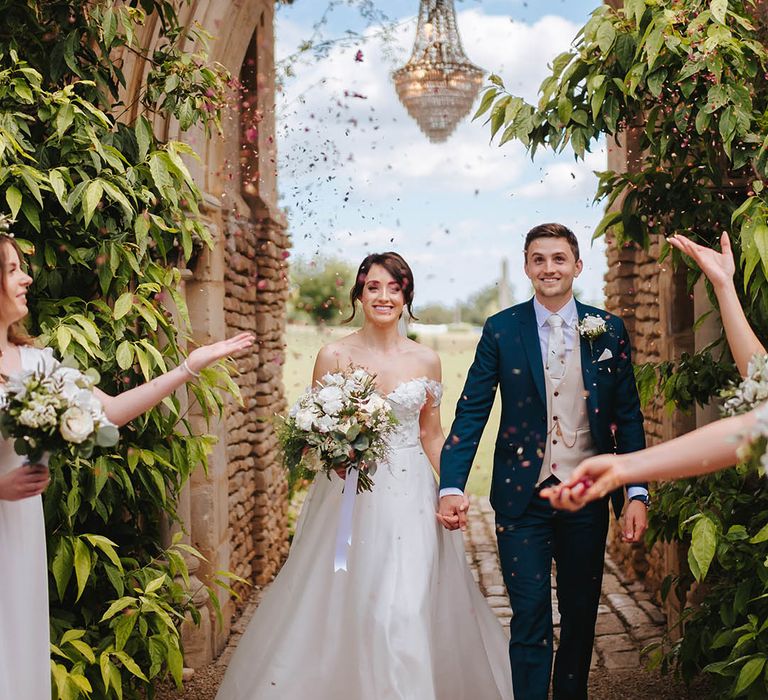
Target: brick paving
[(627, 620)]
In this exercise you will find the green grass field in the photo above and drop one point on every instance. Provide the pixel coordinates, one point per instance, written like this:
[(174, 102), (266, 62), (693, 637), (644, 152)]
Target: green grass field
[(456, 351)]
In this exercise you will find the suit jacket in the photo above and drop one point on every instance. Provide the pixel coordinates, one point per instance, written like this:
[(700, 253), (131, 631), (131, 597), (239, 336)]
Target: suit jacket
[(509, 356)]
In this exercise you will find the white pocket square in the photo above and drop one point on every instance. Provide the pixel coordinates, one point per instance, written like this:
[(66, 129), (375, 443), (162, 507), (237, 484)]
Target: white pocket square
[(606, 355)]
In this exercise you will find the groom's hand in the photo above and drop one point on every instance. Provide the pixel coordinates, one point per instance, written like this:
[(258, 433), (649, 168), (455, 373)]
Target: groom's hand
[(452, 512), (635, 521)]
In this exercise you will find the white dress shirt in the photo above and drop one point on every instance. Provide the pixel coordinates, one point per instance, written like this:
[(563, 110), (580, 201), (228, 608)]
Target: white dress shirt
[(570, 315)]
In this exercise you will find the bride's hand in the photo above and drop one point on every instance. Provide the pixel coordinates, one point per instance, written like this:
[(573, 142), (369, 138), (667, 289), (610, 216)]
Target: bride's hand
[(24, 482), (718, 267), (206, 355)]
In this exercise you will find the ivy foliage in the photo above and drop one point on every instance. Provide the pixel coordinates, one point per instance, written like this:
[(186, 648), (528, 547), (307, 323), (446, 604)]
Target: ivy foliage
[(682, 85), (108, 216)]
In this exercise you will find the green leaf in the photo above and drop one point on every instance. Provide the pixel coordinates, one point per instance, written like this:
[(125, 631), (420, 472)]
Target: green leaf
[(64, 118), (124, 355), (82, 565), (122, 306), (703, 544), (91, 199), (606, 35), (748, 674), (485, 103), (109, 26), (130, 664), (14, 199), (144, 136), (63, 338), (118, 606), (31, 213), (84, 649), (761, 536), (653, 45), (59, 187), (62, 566), (719, 8)]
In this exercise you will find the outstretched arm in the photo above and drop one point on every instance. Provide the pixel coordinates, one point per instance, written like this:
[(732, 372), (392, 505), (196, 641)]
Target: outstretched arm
[(128, 405), (701, 451), (719, 269)]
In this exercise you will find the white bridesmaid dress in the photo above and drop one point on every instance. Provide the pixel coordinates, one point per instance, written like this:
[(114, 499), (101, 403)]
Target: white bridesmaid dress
[(25, 658)]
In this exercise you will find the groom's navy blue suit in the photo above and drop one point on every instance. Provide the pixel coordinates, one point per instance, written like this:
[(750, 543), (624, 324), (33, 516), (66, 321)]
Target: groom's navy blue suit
[(530, 533)]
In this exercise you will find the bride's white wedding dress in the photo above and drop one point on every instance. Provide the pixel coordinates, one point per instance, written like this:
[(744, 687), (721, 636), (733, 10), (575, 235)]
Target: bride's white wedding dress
[(25, 657), (406, 621)]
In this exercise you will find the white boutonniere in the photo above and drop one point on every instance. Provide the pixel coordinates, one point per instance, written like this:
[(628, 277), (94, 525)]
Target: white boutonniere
[(591, 327)]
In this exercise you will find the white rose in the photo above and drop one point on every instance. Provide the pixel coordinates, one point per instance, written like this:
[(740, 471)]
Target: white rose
[(333, 379), (326, 423), (331, 398), (360, 375), (76, 425), (749, 390), (374, 403), (304, 418)]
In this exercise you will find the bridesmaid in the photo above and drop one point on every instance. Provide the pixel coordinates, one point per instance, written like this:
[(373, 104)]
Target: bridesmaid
[(24, 629), (708, 449)]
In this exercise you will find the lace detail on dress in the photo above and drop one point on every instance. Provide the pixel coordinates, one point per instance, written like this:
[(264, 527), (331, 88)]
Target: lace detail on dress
[(407, 400)]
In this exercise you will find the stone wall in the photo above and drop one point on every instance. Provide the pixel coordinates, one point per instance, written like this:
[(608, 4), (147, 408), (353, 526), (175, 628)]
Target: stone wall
[(658, 310), (256, 290)]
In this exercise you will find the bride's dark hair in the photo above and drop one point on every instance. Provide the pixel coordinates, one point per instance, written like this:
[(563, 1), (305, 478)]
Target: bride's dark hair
[(396, 266)]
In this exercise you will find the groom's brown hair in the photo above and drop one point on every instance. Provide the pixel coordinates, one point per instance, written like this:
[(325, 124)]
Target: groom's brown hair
[(552, 231)]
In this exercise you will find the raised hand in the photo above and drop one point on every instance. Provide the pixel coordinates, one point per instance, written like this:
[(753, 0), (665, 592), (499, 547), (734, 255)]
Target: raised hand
[(24, 482), (594, 478), (202, 357), (452, 512), (718, 267)]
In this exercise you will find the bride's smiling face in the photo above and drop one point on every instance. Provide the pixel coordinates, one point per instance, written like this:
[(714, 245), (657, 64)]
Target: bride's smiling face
[(382, 297)]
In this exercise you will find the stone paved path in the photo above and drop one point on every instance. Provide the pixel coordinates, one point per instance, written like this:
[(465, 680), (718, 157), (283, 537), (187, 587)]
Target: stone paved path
[(626, 622)]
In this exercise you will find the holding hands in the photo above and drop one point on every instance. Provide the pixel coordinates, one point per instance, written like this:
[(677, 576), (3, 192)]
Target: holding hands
[(452, 512)]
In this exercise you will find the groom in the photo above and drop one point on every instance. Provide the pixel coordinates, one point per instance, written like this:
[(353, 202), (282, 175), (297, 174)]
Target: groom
[(567, 392)]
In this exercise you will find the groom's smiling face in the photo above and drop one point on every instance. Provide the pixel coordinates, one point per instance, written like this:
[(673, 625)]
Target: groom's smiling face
[(551, 266)]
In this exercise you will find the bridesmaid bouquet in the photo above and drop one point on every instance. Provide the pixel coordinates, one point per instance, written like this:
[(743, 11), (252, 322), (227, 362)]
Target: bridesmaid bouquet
[(52, 408), (341, 423), (751, 393)]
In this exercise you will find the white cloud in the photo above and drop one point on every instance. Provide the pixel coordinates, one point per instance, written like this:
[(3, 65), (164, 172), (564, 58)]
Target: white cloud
[(358, 176)]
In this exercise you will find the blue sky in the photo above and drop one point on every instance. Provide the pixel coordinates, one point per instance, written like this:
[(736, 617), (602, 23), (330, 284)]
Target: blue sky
[(356, 175)]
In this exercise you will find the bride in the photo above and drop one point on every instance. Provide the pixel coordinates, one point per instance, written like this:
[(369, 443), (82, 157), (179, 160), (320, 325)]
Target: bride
[(406, 620)]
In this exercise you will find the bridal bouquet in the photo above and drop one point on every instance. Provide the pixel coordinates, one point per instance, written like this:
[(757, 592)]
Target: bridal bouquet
[(341, 423), (52, 408)]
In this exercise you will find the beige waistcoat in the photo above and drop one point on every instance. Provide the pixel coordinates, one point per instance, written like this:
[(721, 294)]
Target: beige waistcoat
[(569, 439)]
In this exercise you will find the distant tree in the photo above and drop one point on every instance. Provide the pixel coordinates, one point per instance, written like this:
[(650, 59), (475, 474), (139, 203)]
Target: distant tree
[(480, 305), (435, 313), (320, 289)]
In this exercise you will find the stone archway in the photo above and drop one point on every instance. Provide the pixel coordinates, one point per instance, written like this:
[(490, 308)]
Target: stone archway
[(236, 514)]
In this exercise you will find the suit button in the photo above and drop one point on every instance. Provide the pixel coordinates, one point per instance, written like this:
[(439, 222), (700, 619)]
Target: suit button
[(554, 442), (554, 466), (557, 393), (554, 417)]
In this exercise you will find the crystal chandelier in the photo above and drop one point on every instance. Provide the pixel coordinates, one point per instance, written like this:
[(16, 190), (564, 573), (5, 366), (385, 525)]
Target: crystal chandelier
[(439, 83)]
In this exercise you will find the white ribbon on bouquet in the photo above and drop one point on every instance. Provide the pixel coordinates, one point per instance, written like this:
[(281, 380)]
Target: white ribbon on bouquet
[(344, 530)]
